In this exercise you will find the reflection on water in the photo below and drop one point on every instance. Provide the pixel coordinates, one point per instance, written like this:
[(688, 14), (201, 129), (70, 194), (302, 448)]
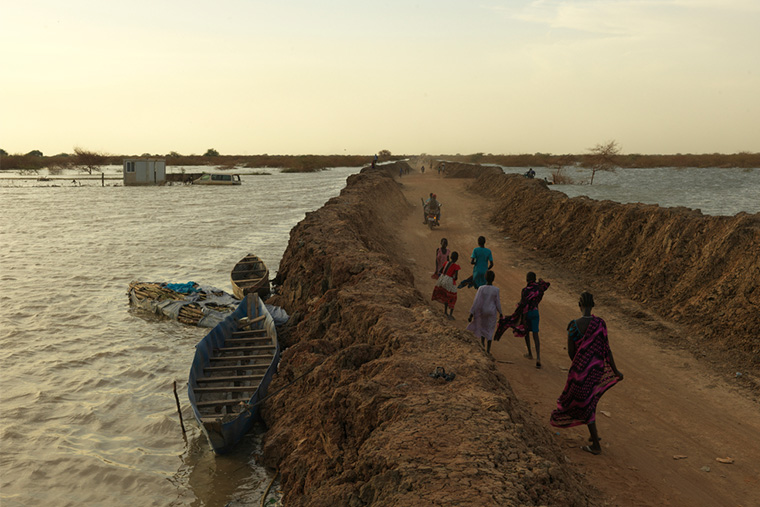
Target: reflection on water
[(87, 410), (229, 480), (714, 191)]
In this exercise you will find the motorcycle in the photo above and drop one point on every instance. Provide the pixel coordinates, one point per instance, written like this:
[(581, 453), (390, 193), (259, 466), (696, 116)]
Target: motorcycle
[(432, 218)]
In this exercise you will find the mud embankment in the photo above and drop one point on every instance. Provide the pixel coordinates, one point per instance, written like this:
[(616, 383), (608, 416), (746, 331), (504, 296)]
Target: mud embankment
[(698, 270), (363, 423)]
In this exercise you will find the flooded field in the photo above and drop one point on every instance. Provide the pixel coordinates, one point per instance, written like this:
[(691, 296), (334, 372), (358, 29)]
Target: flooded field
[(87, 412)]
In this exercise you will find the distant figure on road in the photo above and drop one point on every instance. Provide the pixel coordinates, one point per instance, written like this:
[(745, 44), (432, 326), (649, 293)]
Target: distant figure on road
[(591, 373), (530, 298), (481, 260), (441, 257), (445, 290), (485, 312), (423, 169)]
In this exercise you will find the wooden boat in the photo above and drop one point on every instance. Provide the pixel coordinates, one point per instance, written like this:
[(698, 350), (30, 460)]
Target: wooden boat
[(218, 179), (231, 372), (250, 274)]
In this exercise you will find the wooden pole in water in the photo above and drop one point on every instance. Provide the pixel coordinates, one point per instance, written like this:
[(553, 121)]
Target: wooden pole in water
[(266, 493), (179, 410)]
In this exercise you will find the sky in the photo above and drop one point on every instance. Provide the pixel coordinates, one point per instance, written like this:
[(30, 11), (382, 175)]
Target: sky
[(248, 77)]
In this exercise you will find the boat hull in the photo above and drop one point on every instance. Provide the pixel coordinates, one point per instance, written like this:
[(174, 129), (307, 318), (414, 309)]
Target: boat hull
[(225, 429), (249, 275)]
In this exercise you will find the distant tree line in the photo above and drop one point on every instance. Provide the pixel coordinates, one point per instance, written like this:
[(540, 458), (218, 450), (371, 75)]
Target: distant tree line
[(91, 161), (598, 158), (632, 160)]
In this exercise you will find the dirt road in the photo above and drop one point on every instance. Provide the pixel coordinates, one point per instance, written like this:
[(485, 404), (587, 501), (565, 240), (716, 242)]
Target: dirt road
[(662, 428)]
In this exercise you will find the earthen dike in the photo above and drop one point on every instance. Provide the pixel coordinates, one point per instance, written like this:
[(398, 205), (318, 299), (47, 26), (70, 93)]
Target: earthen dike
[(363, 423)]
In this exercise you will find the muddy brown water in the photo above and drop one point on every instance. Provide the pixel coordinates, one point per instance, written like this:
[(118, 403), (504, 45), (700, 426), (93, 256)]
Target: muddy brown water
[(87, 412)]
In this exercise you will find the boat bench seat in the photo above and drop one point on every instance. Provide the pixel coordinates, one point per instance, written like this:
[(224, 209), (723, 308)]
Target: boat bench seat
[(220, 403), (230, 378), (252, 333), (226, 389), (252, 339), (236, 367), (242, 358), (251, 348)]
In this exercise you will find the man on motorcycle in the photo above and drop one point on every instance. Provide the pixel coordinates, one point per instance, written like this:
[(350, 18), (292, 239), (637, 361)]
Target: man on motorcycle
[(432, 205)]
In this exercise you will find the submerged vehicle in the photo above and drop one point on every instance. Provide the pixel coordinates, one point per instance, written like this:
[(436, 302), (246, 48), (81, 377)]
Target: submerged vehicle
[(231, 371), (218, 179)]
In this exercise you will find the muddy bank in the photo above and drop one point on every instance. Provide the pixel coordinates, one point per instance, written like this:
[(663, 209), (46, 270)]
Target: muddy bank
[(367, 425), (700, 271)]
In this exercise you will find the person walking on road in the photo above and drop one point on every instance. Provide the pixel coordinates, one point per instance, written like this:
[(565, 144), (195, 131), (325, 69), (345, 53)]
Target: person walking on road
[(591, 373), (485, 312), (445, 290), (530, 298), (482, 261), (441, 257)]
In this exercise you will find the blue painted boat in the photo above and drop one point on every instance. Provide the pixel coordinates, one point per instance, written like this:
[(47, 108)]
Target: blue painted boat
[(231, 371)]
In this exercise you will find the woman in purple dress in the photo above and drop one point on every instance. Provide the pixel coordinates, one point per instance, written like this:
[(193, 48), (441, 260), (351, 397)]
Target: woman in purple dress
[(591, 373)]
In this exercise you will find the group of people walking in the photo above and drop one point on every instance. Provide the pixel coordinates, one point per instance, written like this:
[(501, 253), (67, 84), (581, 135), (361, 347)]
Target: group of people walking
[(447, 273), (593, 370)]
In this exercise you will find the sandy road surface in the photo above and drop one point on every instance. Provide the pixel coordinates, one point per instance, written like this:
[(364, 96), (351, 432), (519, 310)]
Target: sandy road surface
[(668, 405)]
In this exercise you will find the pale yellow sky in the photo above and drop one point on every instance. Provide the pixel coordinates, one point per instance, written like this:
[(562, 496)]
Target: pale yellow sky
[(355, 77)]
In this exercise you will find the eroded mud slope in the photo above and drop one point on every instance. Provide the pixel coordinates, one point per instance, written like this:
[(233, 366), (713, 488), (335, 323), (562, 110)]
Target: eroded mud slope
[(701, 271), (366, 424)]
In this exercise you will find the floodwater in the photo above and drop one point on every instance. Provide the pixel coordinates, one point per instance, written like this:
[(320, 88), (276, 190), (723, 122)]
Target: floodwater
[(87, 410), (714, 191)]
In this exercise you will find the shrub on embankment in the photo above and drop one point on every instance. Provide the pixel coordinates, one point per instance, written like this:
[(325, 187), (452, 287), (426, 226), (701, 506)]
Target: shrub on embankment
[(702, 271), (366, 424)]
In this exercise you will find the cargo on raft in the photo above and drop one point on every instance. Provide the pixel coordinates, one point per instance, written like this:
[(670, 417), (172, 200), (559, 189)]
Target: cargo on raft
[(189, 303)]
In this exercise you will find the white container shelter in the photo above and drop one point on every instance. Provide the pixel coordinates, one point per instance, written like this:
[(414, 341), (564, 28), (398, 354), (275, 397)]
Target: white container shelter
[(144, 171)]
